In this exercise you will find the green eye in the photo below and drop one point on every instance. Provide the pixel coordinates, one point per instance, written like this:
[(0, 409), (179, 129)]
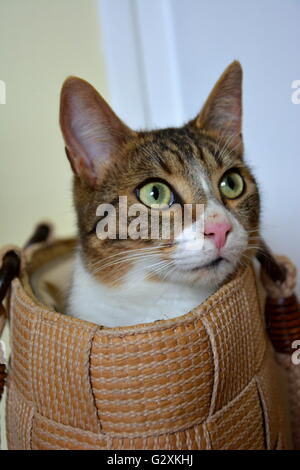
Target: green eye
[(232, 185), (156, 194)]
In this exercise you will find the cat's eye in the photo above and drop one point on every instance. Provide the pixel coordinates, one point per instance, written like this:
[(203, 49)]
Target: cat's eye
[(156, 194), (232, 185)]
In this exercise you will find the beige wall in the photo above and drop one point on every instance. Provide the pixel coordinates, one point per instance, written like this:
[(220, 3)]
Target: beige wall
[(42, 42)]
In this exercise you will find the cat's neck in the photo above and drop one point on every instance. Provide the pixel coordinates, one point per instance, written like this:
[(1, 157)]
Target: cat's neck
[(132, 303)]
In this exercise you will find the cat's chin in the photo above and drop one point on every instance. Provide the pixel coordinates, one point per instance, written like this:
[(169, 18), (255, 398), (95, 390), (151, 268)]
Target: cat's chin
[(211, 274)]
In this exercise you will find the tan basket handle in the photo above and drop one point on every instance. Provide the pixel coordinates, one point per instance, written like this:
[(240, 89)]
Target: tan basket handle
[(10, 269), (275, 270)]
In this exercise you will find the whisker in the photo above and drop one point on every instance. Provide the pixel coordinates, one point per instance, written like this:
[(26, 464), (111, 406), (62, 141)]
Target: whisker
[(124, 260), (156, 247), (129, 252)]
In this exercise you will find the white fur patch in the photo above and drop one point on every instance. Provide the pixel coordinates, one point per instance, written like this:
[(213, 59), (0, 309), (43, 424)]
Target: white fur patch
[(194, 250), (145, 302)]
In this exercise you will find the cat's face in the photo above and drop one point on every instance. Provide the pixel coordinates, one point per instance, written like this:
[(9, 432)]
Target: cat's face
[(198, 164)]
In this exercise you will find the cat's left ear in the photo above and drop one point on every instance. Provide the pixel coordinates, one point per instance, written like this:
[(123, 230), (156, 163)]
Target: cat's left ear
[(221, 116), (93, 133)]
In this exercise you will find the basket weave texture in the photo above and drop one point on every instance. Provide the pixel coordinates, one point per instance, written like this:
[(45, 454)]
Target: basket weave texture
[(206, 380)]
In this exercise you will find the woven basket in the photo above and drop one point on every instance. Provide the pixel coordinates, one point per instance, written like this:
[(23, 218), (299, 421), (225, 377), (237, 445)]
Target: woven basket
[(205, 380)]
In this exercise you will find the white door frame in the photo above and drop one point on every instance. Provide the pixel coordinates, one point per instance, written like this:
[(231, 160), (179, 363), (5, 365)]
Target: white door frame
[(139, 47)]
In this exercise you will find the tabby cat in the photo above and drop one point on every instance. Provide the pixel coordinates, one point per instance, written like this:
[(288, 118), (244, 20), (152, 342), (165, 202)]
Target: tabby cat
[(124, 281)]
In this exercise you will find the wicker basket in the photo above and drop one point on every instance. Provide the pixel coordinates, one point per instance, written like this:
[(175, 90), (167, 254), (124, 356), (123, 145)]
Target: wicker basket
[(205, 380)]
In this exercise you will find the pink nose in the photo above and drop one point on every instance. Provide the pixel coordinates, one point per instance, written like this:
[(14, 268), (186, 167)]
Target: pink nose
[(218, 231)]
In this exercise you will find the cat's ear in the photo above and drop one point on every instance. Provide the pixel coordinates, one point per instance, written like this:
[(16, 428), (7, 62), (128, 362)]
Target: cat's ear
[(222, 113), (92, 131)]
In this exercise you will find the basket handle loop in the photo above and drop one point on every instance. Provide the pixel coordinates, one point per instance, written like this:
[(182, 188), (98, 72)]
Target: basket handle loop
[(42, 233), (9, 270), (272, 267), (282, 308)]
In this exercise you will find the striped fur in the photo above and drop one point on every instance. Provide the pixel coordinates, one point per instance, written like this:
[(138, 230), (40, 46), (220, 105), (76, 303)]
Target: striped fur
[(191, 160)]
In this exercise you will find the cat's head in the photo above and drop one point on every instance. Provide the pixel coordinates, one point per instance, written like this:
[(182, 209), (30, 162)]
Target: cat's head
[(199, 163)]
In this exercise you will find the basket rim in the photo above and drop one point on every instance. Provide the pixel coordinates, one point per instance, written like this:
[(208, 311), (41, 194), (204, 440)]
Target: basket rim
[(23, 285)]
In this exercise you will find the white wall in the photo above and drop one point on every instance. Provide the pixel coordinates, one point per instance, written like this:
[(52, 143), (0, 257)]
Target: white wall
[(178, 49)]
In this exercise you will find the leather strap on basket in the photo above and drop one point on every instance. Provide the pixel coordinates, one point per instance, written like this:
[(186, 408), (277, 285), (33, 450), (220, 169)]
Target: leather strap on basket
[(10, 268), (2, 371), (282, 309), (282, 312)]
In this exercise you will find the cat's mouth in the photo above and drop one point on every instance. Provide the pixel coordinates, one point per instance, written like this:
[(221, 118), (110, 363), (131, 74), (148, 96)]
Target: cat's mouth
[(212, 264)]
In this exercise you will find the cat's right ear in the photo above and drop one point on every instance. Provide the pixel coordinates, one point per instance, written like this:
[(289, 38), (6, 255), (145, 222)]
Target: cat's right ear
[(91, 130), (221, 115)]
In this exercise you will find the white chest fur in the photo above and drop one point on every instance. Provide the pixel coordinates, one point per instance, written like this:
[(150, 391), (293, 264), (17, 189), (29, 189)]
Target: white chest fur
[(133, 303)]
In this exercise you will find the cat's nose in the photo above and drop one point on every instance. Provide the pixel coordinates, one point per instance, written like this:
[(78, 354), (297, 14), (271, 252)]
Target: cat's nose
[(218, 232)]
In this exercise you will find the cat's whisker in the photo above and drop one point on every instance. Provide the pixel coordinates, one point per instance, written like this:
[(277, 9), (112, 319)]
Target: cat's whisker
[(166, 266), (150, 270), (128, 252), (222, 139), (141, 269), (224, 149), (122, 260)]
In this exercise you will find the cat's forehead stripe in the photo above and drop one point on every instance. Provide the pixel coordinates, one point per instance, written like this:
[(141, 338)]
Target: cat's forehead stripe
[(184, 145), (165, 154), (171, 150)]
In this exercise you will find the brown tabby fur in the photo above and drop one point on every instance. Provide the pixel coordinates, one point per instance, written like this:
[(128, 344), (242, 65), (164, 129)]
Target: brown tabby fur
[(170, 154)]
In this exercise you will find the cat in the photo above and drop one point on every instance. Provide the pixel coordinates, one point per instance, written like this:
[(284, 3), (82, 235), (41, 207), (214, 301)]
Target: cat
[(121, 282)]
